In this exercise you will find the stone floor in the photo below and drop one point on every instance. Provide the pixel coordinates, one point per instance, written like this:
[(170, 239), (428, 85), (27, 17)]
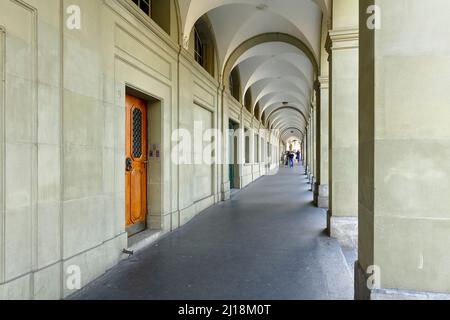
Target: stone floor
[(268, 242)]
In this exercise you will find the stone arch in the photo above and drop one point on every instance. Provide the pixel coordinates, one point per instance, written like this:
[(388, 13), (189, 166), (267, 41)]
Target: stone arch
[(179, 22), (285, 131), (264, 38), (284, 108)]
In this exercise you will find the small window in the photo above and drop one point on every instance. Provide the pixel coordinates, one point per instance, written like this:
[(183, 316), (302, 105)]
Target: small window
[(204, 45), (248, 101), (199, 49), (231, 80), (145, 6), (234, 84), (257, 111)]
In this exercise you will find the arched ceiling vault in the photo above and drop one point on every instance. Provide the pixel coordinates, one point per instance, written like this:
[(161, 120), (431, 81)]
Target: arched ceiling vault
[(274, 113), (287, 117), (291, 133), (275, 44)]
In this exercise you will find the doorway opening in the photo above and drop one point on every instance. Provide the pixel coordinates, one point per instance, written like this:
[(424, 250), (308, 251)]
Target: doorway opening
[(233, 155), (143, 165)]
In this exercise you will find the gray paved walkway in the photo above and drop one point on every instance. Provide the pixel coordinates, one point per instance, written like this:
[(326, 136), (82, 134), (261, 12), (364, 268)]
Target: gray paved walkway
[(268, 242)]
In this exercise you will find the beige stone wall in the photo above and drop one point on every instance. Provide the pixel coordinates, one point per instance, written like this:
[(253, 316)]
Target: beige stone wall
[(404, 202), (62, 137), (30, 140), (345, 14)]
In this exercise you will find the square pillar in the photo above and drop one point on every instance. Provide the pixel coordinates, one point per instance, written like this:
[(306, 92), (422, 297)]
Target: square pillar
[(343, 113), (312, 150), (308, 151), (321, 188), (404, 173)]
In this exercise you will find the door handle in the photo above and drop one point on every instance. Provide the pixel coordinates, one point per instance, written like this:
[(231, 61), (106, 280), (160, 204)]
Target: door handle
[(128, 165)]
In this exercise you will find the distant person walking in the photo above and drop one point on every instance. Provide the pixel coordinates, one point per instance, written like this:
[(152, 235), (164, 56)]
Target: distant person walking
[(291, 159), (298, 157)]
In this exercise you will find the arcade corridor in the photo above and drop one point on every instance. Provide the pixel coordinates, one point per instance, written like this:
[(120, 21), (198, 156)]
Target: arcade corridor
[(155, 125), (268, 242)]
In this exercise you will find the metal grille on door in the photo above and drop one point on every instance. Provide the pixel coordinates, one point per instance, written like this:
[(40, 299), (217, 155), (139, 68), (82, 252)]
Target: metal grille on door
[(137, 133)]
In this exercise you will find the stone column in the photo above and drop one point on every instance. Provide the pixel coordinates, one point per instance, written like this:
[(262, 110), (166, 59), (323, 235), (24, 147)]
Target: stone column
[(321, 194), (241, 148), (343, 51), (310, 149), (317, 142), (224, 147), (307, 152), (314, 145), (404, 174), (304, 151)]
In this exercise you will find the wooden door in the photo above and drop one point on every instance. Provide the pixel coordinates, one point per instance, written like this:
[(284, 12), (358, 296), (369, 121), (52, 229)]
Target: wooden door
[(136, 165)]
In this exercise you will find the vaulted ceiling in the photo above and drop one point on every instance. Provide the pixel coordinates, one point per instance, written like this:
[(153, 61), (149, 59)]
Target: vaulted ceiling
[(275, 44)]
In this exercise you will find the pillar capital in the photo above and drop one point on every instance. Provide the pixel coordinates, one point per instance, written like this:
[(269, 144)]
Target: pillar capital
[(324, 82), (341, 39)]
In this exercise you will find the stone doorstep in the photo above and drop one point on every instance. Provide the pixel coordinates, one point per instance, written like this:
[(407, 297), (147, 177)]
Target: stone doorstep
[(362, 292), (143, 240)]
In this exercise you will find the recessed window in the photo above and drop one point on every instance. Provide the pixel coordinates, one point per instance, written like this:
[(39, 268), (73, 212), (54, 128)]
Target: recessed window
[(204, 45), (248, 101), (257, 111), (157, 10), (199, 49), (145, 6), (234, 84), (231, 80)]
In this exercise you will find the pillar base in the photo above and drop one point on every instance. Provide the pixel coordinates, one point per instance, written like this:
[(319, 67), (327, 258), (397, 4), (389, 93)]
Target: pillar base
[(312, 182), (362, 292), (321, 196), (344, 229)]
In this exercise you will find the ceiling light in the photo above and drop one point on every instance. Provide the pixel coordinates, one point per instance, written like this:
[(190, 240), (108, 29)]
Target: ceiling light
[(262, 6)]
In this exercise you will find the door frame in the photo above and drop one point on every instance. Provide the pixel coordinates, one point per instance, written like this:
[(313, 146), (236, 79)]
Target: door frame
[(155, 204), (235, 145)]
